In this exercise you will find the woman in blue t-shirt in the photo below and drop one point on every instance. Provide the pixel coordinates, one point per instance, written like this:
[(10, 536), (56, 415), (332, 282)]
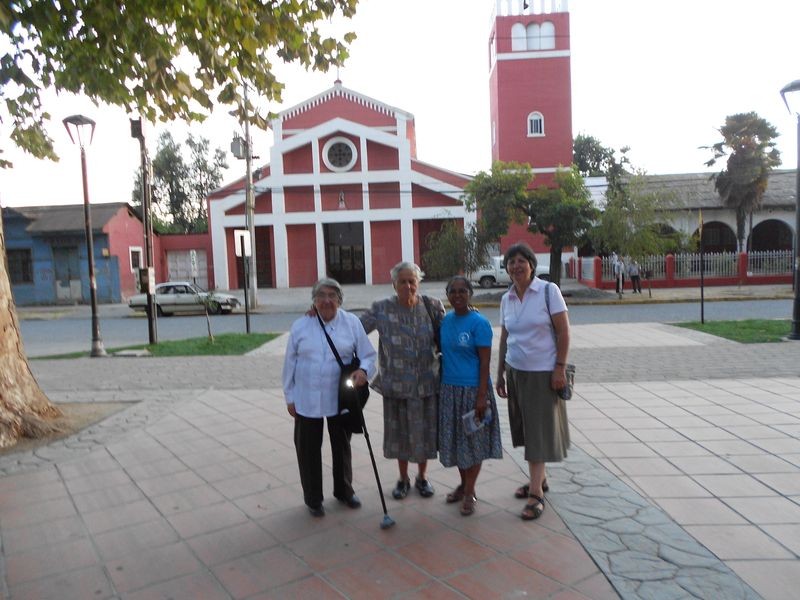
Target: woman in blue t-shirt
[(466, 340)]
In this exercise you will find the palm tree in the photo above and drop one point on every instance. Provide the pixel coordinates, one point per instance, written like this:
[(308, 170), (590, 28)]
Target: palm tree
[(747, 141)]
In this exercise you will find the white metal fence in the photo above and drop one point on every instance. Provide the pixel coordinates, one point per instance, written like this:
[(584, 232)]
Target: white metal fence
[(687, 265), (770, 262), (715, 264)]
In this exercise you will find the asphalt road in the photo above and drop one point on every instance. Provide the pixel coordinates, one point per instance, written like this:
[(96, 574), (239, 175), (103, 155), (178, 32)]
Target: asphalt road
[(73, 334)]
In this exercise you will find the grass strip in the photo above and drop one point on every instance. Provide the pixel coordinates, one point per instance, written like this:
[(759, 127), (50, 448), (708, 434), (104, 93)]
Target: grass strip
[(746, 331), (223, 344)]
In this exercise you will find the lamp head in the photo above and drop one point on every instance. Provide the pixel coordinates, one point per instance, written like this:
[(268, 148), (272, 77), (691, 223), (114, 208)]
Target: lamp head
[(78, 122), (790, 88)]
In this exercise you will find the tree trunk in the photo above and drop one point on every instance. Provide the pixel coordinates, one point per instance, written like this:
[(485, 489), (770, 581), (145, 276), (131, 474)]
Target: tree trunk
[(24, 409), (555, 264)]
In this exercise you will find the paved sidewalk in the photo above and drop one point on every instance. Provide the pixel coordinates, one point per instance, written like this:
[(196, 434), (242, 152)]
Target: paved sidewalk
[(680, 485)]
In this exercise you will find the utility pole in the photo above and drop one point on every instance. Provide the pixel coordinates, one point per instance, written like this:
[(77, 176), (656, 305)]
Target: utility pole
[(147, 274), (250, 208)]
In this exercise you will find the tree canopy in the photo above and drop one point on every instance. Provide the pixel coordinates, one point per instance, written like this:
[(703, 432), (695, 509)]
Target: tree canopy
[(590, 157), (747, 141), (166, 59), (629, 223), (563, 214), (499, 195), (180, 187)]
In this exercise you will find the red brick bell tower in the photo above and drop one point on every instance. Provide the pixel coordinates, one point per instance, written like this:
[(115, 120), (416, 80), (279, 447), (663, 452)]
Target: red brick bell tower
[(530, 90)]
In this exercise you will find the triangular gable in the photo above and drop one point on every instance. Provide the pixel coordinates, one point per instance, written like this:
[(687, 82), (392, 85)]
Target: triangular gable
[(340, 101)]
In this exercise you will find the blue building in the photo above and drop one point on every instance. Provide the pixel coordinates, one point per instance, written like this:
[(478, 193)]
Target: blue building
[(46, 249)]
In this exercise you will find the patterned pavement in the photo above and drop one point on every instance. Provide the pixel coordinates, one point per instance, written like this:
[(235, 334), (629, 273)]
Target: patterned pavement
[(683, 482)]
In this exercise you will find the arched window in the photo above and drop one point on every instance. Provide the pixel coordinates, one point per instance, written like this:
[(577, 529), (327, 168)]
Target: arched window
[(548, 36), (517, 37), (533, 37), (535, 124)]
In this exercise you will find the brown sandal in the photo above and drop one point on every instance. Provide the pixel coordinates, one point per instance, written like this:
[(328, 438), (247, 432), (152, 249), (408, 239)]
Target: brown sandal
[(457, 495), (468, 506), (533, 509)]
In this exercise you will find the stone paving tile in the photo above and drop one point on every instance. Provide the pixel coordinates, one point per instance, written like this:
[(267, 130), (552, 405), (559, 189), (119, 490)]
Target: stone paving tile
[(738, 542), (700, 511), (90, 582)]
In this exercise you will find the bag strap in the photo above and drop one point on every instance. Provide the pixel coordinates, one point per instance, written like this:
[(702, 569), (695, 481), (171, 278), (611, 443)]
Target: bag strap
[(549, 314), (330, 341), (429, 309)]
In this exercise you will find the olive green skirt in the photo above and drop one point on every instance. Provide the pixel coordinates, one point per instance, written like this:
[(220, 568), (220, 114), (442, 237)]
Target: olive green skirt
[(537, 416)]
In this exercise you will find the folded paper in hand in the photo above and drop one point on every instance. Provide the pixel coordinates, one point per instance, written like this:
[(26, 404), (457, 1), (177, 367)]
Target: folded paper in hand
[(471, 423)]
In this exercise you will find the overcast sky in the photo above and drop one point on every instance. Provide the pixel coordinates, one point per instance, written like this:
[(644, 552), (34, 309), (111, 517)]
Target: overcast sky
[(658, 76)]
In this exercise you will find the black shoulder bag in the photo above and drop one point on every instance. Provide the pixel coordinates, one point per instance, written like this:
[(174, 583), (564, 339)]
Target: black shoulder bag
[(352, 399), (565, 392)]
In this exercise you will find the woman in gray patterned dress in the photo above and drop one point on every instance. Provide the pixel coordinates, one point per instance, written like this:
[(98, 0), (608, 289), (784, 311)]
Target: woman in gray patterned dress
[(408, 377)]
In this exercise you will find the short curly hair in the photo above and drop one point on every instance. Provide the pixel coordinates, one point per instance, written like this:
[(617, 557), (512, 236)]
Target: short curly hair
[(329, 283)]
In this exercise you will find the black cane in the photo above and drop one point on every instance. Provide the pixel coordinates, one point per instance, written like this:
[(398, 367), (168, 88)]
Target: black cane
[(387, 520)]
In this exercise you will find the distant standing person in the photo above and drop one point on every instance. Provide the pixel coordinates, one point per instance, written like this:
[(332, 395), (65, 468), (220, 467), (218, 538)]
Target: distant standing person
[(636, 280), (619, 275), (408, 375), (466, 353)]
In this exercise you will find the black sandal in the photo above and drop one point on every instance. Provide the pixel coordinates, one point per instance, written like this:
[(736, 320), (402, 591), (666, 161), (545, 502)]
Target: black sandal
[(533, 510), (523, 491)]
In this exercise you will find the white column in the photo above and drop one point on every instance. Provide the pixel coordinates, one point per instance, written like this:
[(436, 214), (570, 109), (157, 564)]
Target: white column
[(367, 252), (320, 235), (404, 180)]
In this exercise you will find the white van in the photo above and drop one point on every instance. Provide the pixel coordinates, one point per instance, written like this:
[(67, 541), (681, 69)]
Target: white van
[(494, 274)]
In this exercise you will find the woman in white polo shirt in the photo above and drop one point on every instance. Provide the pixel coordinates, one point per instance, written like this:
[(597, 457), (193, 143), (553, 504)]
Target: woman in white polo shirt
[(531, 369)]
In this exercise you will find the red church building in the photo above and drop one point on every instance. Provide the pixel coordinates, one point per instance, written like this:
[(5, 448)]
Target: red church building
[(344, 193)]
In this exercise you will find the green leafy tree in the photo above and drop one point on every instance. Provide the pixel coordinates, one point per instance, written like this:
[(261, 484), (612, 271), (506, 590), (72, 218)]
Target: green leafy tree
[(180, 188), (127, 54), (747, 142), (205, 176), (590, 157), (454, 249), (497, 196), (564, 215), (629, 222), (166, 59)]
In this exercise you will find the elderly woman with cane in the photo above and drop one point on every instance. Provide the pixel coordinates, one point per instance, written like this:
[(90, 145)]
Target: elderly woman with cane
[(311, 376)]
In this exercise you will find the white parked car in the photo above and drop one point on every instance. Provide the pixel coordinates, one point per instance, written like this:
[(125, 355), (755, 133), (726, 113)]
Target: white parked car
[(494, 274), (185, 297)]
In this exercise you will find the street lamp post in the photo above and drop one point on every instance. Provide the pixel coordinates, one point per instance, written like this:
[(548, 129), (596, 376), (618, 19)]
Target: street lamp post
[(78, 123), (794, 88)]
